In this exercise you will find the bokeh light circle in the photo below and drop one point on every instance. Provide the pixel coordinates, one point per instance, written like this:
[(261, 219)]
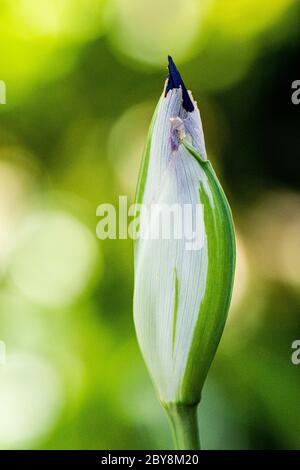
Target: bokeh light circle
[(31, 399), (148, 31), (54, 258)]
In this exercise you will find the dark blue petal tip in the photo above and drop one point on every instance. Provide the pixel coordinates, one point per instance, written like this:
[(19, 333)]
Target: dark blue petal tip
[(175, 81)]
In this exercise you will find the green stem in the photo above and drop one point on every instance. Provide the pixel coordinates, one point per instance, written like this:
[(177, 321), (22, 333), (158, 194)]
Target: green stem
[(184, 426)]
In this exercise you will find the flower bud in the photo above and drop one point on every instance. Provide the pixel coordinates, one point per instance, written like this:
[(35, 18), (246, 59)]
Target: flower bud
[(182, 289)]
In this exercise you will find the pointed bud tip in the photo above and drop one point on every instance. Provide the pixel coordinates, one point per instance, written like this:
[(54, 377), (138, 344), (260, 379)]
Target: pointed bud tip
[(175, 81)]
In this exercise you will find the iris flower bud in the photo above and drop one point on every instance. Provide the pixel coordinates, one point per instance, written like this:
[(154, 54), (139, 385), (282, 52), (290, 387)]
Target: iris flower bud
[(182, 292)]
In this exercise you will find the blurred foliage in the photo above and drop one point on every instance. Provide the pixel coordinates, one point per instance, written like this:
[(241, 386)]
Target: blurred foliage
[(82, 79)]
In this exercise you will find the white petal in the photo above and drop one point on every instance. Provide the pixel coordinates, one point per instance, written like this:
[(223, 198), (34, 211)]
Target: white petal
[(170, 279)]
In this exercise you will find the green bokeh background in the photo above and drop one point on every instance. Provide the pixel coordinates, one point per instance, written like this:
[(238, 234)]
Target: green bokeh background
[(82, 79)]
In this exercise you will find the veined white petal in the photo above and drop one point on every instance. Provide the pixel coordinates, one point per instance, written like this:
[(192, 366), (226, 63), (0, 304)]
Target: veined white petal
[(170, 280)]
